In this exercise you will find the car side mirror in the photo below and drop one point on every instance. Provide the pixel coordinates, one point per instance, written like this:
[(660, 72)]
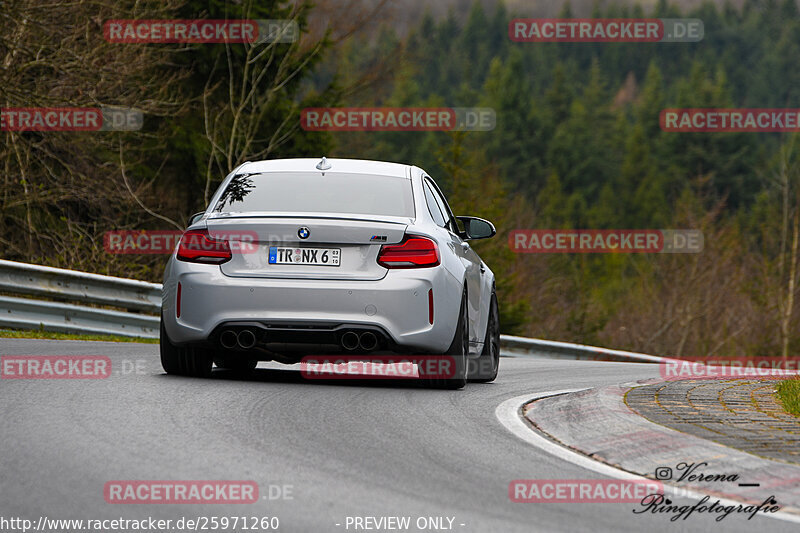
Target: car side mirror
[(477, 228), (194, 218)]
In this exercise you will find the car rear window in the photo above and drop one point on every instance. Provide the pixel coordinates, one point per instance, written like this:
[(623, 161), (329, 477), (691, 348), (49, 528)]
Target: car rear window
[(358, 194)]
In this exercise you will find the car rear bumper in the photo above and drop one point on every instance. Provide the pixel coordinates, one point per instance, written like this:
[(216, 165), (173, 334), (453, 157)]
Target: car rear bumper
[(396, 305)]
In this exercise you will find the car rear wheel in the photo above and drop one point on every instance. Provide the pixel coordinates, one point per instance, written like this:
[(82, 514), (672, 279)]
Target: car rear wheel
[(456, 354), (487, 365), (183, 361), (170, 354)]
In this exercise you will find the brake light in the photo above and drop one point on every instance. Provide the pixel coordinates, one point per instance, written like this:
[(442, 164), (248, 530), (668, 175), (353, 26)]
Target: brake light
[(413, 252), (197, 246)]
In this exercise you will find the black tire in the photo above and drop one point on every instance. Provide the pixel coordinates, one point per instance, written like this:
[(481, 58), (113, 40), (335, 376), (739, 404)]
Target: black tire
[(198, 362), (484, 369), (180, 361), (171, 360), (237, 364), (457, 352)]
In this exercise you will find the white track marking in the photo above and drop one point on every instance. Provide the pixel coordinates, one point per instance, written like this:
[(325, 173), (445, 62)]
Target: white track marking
[(509, 413)]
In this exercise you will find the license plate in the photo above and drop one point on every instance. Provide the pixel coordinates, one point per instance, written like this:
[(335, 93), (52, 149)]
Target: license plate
[(304, 256)]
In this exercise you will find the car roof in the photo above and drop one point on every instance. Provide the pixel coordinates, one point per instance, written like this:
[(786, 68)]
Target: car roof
[(337, 166)]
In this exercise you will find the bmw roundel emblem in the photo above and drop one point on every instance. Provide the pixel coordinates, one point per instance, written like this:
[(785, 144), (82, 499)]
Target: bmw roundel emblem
[(303, 233)]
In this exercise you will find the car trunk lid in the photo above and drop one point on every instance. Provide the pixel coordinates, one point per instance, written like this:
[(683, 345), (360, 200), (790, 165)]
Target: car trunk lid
[(269, 240)]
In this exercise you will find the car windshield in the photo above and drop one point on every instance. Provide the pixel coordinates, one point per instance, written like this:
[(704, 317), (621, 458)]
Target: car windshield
[(314, 192)]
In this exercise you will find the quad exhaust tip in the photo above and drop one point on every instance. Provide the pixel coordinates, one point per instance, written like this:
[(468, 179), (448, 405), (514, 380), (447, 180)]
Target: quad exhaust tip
[(228, 339), (368, 341), (350, 340), (246, 339)]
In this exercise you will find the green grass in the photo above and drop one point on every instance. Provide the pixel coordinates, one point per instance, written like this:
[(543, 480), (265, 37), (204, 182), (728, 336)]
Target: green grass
[(39, 334), (789, 395)]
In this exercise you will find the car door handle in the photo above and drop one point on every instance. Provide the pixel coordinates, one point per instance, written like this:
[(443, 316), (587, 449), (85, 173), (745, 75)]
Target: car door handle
[(465, 246), (483, 268)]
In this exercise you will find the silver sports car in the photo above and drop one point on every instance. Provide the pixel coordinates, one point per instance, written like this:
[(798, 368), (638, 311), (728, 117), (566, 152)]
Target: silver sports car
[(304, 256)]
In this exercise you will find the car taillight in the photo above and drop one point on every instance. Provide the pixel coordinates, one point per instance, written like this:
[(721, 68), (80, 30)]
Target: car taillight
[(413, 252), (197, 246)]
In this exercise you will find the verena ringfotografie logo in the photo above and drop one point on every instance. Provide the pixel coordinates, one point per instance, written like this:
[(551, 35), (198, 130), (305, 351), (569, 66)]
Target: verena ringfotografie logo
[(728, 120), (591, 30), (659, 504), (180, 492), (55, 367), (389, 367), (165, 241), (70, 119), (581, 490), (201, 31), (585, 241), (698, 473), (398, 119), (718, 368)]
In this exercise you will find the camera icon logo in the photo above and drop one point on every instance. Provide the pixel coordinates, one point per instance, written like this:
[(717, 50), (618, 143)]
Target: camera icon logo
[(663, 473)]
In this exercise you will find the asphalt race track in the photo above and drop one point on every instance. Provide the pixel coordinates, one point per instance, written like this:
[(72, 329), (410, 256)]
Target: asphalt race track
[(366, 449)]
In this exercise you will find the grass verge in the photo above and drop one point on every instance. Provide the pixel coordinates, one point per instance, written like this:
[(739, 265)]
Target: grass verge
[(39, 334), (789, 395)]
